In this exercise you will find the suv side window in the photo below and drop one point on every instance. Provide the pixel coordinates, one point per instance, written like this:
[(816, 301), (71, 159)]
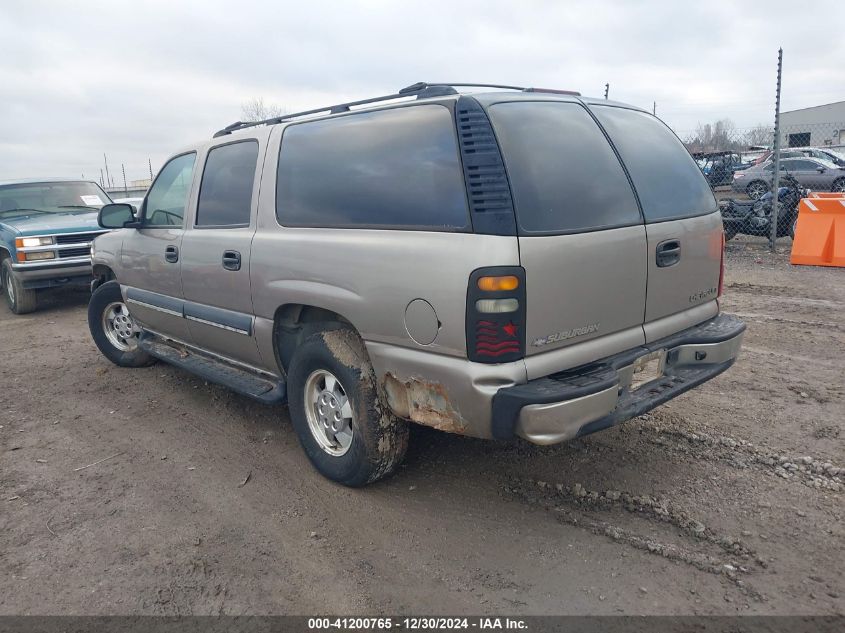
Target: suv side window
[(666, 178), (166, 201), (564, 175), (225, 197), (396, 168)]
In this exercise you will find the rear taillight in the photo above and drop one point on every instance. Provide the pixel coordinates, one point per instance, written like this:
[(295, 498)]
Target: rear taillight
[(722, 267), (495, 318)]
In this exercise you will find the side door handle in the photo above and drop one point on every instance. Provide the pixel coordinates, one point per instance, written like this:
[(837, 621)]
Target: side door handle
[(668, 253), (231, 260), (171, 254)]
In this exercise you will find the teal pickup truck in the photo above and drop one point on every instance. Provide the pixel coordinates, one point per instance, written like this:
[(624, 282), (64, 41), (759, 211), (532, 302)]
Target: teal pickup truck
[(46, 230)]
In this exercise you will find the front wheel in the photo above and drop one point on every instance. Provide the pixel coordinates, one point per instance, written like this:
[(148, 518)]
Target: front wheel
[(347, 433), (19, 299), (838, 186), (113, 329)]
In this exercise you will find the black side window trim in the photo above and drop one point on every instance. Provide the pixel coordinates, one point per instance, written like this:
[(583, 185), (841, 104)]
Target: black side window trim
[(196, 209), (143, 211), (450, 108)]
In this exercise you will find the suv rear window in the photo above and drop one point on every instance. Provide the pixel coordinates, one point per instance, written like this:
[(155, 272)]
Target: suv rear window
[(669, 183), (564, 176), (396, 168)]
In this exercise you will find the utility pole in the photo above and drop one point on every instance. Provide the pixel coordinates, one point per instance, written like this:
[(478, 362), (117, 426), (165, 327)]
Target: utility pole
[(150, 165), (106, 163), (606, 90), (776, 149), (123, 169), (654, 108), (102, 182)]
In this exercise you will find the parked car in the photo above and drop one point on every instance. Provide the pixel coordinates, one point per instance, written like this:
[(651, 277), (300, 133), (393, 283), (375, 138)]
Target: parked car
[(822, 153), (46, 229), (719, 167), (767, 156), (811, 173), (510, 264)]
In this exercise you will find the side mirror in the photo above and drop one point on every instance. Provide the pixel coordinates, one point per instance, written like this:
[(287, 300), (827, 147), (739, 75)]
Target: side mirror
[(116, 216)]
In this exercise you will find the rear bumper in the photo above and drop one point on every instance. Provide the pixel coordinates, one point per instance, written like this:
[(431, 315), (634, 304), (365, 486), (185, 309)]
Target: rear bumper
[(591, 398), (57, 273)]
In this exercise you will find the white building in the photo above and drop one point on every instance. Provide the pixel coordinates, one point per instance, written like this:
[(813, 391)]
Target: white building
[(816, 126)]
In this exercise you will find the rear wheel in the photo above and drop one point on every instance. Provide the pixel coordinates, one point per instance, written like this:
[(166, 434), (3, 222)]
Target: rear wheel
[(838, 185), (113, 329), (730, 234), (756, 189), (19, 299), (347, 433)]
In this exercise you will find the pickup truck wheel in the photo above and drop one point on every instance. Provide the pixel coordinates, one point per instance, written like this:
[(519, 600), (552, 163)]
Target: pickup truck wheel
[(113, 329), (19, 299), (346, 432)]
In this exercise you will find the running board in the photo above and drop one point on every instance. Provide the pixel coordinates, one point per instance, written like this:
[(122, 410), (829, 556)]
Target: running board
[(247, 383)]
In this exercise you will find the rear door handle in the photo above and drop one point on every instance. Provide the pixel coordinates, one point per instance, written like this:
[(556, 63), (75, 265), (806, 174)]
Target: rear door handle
[(668, 253), (231, 260), (171, 254)]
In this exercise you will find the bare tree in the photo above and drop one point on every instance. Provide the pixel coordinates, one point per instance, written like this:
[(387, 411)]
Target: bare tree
[(716, 137), (760, 135), (256, 110)]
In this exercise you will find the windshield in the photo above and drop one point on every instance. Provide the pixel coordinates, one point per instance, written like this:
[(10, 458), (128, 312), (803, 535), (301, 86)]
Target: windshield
[(51, 197)]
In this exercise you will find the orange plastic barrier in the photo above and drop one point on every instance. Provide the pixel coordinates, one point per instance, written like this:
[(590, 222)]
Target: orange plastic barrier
[(826, 194), (820, 232)]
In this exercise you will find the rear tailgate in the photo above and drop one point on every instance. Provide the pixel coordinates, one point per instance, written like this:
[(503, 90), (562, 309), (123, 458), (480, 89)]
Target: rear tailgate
[(683, 224), (582, 241)]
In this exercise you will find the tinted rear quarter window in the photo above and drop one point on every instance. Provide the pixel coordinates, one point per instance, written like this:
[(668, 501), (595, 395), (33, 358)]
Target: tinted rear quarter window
[(564, 175), (667, 180), (226, 191), (396, 168)]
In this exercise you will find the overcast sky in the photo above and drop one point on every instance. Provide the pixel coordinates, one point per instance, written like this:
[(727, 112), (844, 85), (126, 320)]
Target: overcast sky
[(140, 79)]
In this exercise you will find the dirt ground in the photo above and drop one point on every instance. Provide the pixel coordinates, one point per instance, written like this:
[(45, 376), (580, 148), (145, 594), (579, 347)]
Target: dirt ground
[(122, 491)]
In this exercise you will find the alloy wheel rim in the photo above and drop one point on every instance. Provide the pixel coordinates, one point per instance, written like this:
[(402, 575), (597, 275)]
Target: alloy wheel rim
[(120, 327), (755, 191), (329, 412)]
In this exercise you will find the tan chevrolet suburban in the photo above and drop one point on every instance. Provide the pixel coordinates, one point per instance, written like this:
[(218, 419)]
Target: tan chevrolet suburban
[(499, 262)]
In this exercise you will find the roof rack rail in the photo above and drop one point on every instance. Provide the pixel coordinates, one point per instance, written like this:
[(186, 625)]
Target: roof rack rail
[(420, 90)]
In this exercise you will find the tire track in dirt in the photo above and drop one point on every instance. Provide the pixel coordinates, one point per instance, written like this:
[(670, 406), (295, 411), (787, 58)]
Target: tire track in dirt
[(675, 434), (578, 507)]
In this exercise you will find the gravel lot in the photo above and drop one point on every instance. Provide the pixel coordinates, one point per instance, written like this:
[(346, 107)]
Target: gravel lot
[(197, 501)]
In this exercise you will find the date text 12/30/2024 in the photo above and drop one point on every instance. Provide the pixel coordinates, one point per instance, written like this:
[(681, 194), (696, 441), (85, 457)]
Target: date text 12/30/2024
[(416, 624)]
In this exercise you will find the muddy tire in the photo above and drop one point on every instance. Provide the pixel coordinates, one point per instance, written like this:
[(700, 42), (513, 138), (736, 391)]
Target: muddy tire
[(113, 330), (344, 429), (19, 299)]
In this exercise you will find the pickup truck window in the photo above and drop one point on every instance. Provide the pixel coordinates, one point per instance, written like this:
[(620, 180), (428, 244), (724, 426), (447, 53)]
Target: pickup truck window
[(226, 190), (167, 198), (396, 168)]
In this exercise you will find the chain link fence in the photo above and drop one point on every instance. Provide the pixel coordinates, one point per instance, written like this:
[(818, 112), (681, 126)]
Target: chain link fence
[(738, 164)]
